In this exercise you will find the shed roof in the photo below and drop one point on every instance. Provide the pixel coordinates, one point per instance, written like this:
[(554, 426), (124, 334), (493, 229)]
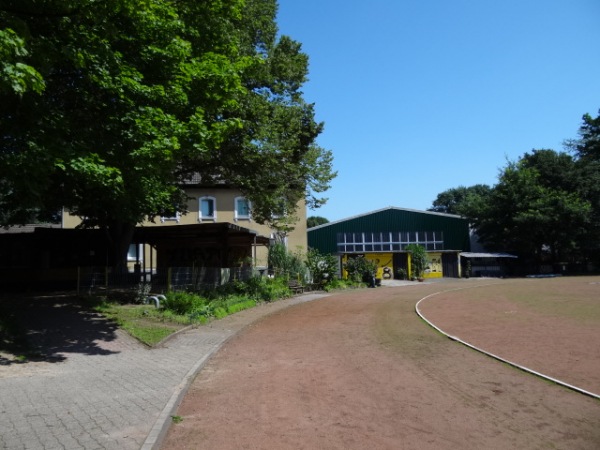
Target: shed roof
[(395, 208), (204, 233)]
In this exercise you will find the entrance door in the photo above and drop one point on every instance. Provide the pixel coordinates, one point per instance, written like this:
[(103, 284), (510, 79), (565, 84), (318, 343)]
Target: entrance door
[(400, 262), (450, 265)]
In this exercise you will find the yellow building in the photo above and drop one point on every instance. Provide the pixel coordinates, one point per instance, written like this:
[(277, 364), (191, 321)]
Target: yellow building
[(215, 205)]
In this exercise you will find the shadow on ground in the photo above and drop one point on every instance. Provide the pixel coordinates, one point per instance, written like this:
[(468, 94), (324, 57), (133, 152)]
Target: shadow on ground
[(46, 328)]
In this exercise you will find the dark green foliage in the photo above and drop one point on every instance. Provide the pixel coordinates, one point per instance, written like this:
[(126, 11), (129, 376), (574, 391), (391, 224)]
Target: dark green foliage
[(323, 267), (545, 206), (457, 200), (283, 263), (108, 106), (184, 303), (360, 269), (418, 259), (314, 221)]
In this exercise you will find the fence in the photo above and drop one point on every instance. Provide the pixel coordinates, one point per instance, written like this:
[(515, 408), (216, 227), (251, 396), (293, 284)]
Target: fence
[(102, 279)]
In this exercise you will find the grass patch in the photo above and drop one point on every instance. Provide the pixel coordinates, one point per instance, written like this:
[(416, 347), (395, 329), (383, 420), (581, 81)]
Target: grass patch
[(151, 325), (147, 324)]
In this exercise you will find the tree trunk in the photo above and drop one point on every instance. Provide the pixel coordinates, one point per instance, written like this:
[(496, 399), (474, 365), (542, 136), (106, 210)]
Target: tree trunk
[(119, 238)]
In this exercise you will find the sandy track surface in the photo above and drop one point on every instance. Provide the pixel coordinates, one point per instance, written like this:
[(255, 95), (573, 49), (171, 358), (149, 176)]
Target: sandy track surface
[(361, 370)]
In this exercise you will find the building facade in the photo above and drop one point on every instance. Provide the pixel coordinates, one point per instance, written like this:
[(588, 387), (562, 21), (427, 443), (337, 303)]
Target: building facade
[(211, 205), (383, 236)]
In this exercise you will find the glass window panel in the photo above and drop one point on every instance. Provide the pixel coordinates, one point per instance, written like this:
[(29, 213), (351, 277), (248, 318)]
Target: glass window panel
[(358, 237), (242, 207), (377, 247), (396, 247), (207, 207), (132, 254), (368, 247), (368, 237)]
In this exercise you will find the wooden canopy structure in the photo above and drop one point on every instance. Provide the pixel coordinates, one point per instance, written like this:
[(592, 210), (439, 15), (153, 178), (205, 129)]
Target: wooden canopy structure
[(208, 244)]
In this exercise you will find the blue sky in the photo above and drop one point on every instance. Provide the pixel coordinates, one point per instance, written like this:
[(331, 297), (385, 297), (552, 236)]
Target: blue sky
[(420, 96)]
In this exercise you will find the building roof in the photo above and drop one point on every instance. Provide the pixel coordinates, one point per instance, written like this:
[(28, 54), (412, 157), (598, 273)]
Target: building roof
[(381, 210), (487, 255), (204, 233)]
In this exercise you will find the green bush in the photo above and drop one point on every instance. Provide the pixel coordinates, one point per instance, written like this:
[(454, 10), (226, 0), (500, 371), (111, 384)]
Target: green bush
[(283, 263), (220, 312), (274, 289), (360, 269), (184, 303), (418, 259), (323, 267)]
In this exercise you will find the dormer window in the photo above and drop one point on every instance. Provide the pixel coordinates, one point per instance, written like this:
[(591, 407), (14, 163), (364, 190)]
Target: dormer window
[(241, 208), (207, 209)]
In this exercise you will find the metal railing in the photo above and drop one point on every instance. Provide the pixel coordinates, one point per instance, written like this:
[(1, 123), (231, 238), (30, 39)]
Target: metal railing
[(103, 279)]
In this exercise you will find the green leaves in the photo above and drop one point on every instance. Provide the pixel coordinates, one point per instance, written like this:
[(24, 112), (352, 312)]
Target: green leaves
[(108, 105), (16, 76)]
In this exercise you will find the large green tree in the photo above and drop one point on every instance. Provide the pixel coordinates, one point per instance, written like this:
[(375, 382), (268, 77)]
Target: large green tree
[(534, 209), (586, 150), (456, 200), (106, 108), (545, 206), (314, 221)]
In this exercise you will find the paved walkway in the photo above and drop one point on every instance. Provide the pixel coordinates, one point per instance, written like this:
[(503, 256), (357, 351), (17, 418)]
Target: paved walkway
[(97, 388)]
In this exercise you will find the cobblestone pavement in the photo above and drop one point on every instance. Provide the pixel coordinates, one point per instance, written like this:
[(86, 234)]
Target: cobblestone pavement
[(97, 388)]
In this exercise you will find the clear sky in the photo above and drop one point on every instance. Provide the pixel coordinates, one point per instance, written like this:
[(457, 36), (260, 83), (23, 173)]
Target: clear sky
[(420, 96)]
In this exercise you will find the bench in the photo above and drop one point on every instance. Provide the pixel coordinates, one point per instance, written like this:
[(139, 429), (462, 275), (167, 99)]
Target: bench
[(295, 286)]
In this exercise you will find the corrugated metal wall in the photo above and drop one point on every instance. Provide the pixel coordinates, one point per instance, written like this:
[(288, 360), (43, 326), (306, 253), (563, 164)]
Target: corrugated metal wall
[(455, 229)]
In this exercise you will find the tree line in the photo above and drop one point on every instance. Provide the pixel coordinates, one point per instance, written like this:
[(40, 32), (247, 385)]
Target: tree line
[(108, 108), (545, 206)]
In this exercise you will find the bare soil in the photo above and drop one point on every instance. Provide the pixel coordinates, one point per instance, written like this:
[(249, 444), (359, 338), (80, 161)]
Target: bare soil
[(361, 370)]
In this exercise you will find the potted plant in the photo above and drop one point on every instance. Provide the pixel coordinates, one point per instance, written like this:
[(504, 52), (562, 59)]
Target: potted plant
[(418, 260)]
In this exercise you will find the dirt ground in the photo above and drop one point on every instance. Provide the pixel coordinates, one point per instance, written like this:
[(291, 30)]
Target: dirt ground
[(361, 370)]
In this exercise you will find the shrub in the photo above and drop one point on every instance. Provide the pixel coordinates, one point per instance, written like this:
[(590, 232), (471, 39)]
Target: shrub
[(283, 263), (220, 312), (360, 269), (418, 259), (274, 289), (184, 303), (323, 267)]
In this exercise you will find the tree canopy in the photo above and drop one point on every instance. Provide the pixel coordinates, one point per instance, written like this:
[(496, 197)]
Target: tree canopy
[(107, 108), (545, 206), (455, 200), (314, 221)]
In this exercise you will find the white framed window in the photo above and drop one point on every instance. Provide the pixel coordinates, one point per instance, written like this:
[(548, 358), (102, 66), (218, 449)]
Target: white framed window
[(207, 209), (241, 208), (171, 218)]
